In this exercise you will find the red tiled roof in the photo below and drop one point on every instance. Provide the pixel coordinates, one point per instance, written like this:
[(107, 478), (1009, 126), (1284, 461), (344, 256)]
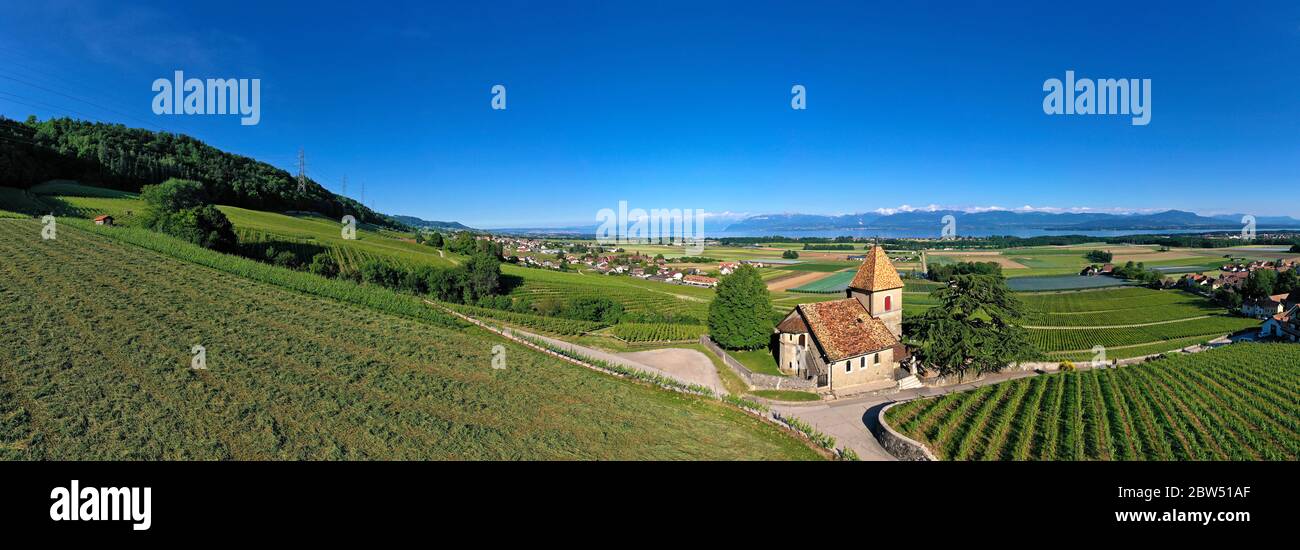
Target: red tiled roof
[(102, 217), (876, 272), (844, 329), (793, 324), (700, 279)]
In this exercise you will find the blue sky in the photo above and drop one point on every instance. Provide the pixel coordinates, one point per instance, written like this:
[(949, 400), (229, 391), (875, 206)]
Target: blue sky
[(687, 105)]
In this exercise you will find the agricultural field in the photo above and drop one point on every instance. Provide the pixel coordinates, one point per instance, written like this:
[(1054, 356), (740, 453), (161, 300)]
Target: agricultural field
[(1062, 282), (1085, 338), (328, 233), (834, 283), (540, 323), (1128, 322), (1239, 402), (95, 363), (656, 332), (636, 295)]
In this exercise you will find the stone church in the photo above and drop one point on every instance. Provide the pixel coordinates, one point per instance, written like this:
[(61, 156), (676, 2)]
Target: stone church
[(852, 343)]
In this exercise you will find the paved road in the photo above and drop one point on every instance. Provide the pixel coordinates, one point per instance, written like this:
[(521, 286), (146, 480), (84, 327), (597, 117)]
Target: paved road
[(853, 421)]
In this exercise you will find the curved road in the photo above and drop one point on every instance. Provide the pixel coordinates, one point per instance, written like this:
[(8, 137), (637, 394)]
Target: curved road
[(852, 422)]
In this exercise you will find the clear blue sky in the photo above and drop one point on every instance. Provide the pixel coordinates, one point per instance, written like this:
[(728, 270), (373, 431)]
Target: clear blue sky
[(687, 104)]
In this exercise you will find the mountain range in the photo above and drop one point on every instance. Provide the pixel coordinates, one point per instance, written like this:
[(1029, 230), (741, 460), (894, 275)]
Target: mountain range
[(1006, 219)]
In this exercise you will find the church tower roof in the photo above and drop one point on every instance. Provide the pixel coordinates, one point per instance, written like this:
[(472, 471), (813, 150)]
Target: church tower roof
[(876, 273)]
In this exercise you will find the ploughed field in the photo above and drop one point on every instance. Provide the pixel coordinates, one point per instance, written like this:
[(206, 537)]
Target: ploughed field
[(95, 343), (1240, 402)]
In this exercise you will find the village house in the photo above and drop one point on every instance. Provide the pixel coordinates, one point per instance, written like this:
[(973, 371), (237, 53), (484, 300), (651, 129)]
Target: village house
[(849, 344), (104, 220), (1283, 326), (1262, 308), (726, 268)]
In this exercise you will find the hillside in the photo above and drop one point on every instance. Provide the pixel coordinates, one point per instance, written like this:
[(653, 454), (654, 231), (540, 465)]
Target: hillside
[(118, 157), (95, 343)]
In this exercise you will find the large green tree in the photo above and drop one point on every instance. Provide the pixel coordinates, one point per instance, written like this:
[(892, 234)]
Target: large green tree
[(1259, 284), (972, 329), (176, 207), (740, 316)]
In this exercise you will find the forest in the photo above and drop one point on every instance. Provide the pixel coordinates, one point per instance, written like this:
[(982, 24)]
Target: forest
[(118, 157)]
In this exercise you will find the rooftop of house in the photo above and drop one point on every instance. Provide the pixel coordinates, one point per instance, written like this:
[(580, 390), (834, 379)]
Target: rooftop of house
[(876, 273), (844, 329)]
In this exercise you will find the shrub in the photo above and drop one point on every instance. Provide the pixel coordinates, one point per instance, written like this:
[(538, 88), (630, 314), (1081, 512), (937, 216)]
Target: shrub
[(323, 264), (790, 255), (1067, 366)]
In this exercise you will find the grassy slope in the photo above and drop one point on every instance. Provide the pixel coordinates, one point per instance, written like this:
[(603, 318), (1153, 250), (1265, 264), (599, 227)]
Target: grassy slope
[(104, 374)]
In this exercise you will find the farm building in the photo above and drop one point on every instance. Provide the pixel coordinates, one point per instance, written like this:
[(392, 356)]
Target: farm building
[(700, 280), (852, 343), (104, 220)]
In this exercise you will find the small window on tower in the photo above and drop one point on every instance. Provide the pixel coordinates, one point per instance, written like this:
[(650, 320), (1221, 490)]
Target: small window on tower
[(889, 303)]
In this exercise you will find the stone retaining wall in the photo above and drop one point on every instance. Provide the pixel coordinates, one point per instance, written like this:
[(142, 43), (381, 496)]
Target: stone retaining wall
[(758, 379), (897, 444)]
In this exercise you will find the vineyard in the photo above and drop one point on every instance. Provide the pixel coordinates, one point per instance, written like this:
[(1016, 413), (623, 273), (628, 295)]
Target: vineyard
[(1169, 319), (95, 344), (1240, 402), (656, 332), (1050, 340), (552, 325), (636, 295)]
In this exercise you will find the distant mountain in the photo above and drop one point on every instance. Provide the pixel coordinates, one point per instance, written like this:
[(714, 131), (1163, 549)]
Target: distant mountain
[(1271, 221), (1169, 219), (1003, 220), (429, 224)]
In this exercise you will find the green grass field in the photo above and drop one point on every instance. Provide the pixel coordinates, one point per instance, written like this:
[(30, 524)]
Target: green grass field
[(1240, 402), (834, 283), (759, 360), (636, 295), (95, 364)]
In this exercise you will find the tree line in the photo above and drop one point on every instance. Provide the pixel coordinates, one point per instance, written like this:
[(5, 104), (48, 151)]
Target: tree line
[(118, 157)]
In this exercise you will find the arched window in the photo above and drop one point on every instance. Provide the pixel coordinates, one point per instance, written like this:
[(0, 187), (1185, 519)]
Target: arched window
[(889, 303)]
